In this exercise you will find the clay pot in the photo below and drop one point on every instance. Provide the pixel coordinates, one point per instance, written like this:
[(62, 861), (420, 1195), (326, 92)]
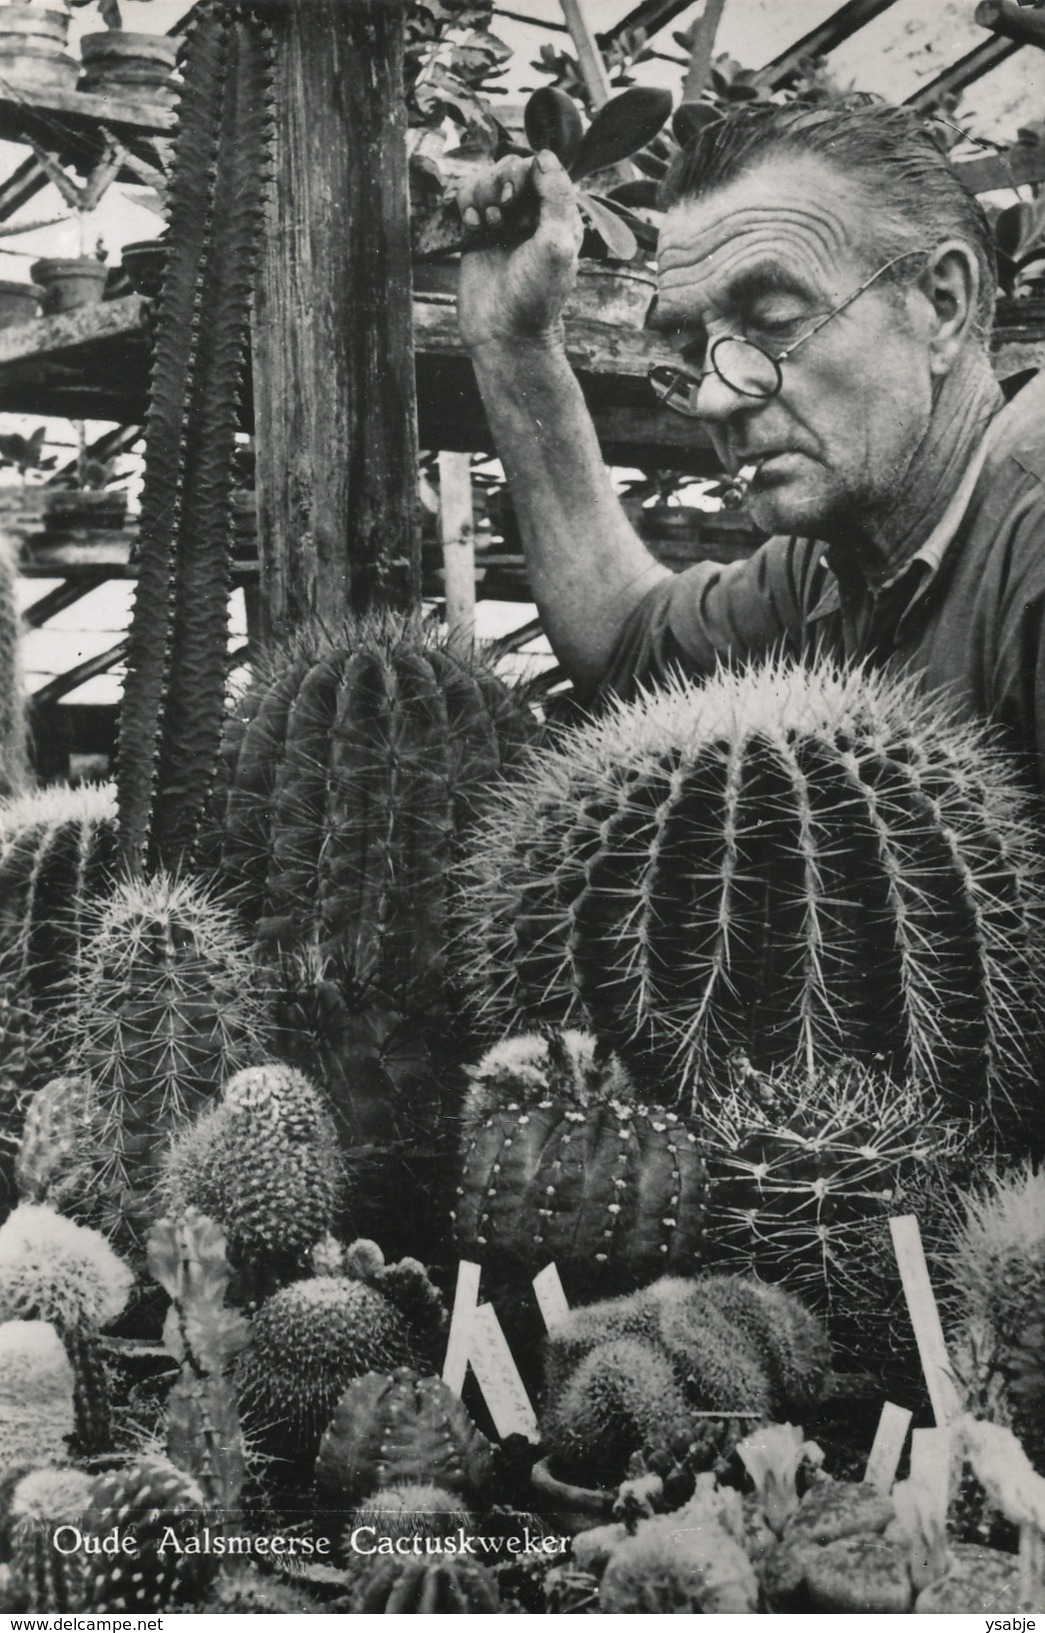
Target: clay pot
[(119, 63), (32, 49), (19, 303), (68, 284)]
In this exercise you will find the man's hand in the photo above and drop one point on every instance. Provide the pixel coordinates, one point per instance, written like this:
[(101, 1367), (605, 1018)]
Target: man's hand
[(510, 293)]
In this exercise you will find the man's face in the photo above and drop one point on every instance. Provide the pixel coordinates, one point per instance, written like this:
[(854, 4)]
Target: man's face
[(765, 258)]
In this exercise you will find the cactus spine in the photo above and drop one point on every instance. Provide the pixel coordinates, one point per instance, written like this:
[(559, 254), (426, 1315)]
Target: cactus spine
[(171, 722), (797, 863)]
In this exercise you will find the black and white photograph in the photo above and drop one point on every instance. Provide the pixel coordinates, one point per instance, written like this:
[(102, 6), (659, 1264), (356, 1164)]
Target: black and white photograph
[(522, 809)]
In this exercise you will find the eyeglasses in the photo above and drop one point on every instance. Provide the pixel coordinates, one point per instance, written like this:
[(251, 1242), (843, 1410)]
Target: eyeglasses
[(743, 365)]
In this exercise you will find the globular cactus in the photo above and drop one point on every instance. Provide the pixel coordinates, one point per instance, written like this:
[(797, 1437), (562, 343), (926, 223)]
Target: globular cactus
[(678, 1564), (362, 759), (559, 1162), (37, 1416), (307, 1342), (161, 1510), (46, 1577), (174, 697), (424, 1587), (805, 1169), (799, 863), (399, 1427), (264, 1164), (165, 1013)]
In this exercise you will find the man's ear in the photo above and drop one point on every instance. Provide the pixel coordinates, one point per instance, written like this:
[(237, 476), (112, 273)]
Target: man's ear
[(951, 284)]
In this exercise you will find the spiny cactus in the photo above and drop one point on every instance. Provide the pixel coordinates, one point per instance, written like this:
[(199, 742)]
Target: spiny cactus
[(264, 1164), (352, 781), (307, 1342), (152, 1503), (174, 699), (395, 1428), (14, 768), (805, 1169), (165, 1013), (801, 863), (44, 1578), (424, 1587), (553, 1169), (36, 1397)]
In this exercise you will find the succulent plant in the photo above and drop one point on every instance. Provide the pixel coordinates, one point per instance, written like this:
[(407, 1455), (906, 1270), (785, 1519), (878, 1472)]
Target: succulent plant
[(802, 863), (36, 1397), (391, 1429), (43, 1577), (152, 1502), (556, 1167), (264, 1164), (805, 1169), (308, 1341), (174, 697), (424, 1587), (362, 759)]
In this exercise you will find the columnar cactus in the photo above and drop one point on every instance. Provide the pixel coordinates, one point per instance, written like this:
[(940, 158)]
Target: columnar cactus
[(424, 1587), (362, 758), (398, 1427), (151, 1502), (555, 1166), (264, 1164), (36, 1397), (800, 863), (43, 1576)]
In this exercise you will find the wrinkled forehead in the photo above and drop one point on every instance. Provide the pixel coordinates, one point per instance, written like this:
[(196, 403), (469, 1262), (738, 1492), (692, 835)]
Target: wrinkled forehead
[(790, 222)]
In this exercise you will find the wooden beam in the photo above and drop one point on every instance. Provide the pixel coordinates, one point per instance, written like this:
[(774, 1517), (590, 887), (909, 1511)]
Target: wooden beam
[(829, 34), (1012, 21), (963, 73), (335, 409)]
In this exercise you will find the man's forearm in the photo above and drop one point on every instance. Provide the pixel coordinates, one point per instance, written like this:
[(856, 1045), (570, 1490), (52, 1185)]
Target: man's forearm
[(588, 568)]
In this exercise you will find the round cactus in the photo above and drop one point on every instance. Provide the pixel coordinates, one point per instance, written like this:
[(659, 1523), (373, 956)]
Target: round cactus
[(263, 1163), (307, 1342), (154, 1505), (360, 760), (43, 1577), (37, 1415), (613, 1192), (424, 1587), (396, 1428), (800, 863)]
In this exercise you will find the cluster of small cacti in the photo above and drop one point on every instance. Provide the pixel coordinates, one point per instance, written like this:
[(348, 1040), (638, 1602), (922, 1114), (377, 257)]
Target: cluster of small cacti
[(799, 863), (561, 1161)]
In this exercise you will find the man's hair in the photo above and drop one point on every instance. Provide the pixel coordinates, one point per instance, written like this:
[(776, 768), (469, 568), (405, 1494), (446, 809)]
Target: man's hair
[(915, 199)]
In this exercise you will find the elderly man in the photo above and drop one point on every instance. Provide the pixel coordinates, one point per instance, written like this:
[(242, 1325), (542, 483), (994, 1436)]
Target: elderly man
[(828, 285)]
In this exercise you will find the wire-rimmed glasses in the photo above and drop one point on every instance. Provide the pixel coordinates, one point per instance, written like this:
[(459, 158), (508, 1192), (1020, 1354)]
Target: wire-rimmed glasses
[(743, 365)]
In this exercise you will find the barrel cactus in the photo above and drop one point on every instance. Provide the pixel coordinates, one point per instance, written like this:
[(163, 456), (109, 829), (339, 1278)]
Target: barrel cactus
[(554, 1168), (424, 1587), (391, 1428), (800, 863), (163, 1510), (359, 762), (44, 1577)]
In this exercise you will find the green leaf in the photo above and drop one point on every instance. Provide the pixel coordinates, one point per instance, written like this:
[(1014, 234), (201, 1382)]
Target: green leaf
[(621, 126), (553, 121)]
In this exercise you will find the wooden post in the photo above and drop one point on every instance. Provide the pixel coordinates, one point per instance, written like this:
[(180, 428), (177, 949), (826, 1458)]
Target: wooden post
[(457, 533), (334, 392)]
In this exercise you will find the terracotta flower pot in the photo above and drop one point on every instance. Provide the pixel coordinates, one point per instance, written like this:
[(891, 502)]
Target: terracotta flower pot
[(119, 63), (32, 49), (19, 303), (68, 284)]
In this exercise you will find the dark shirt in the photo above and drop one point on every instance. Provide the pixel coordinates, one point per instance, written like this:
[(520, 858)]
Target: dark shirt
[(971, 622)]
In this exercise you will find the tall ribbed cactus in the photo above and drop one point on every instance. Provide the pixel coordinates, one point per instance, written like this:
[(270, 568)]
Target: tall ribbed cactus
[(13, 763), (170, 728), (358, 763), (800, 863)]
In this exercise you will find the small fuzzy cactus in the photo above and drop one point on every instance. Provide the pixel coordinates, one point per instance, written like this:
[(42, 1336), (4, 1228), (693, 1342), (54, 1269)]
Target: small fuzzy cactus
[(361, 759), (424, 1587), (45, 1578), (151, 1502), (37, 1414), (165, 1013), (556, 1166), (801, 863), (308, 1341), (264, 1164), (398, 1427)]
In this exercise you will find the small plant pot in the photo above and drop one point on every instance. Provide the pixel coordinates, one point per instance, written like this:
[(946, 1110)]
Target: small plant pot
[(574, 1508), (19, 303), (119, 63), (69, 284), (67, 508), (144, 264), (32, 49)]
